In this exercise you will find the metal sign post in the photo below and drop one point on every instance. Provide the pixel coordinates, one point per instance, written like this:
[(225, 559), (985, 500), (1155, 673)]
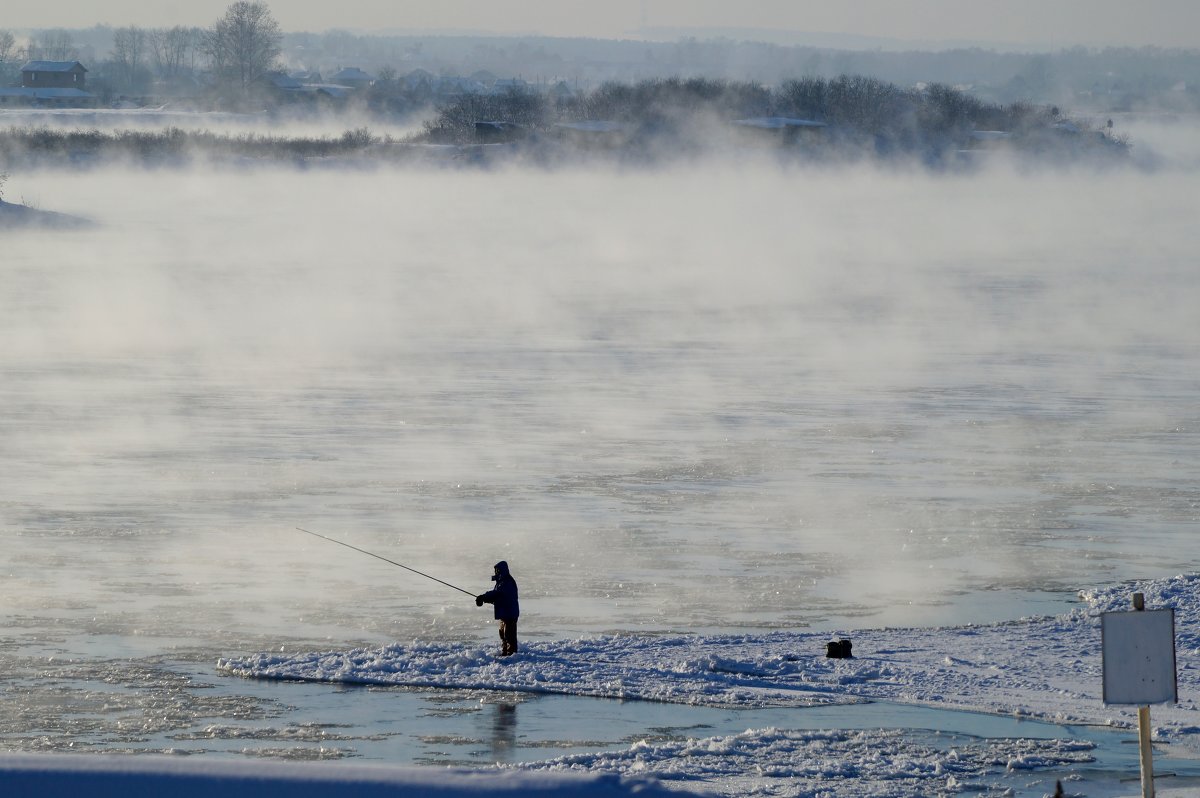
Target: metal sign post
[(1139, 668)]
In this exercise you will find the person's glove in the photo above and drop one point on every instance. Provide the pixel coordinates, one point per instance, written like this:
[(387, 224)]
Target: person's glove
[(479, 601)]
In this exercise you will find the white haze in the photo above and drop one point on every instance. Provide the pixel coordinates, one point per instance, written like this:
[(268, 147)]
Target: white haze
[(707, 397), (1164, 23), (227, 123), (1164, 141)]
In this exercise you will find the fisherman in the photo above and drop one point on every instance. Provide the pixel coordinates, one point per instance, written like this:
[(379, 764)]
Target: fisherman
[(504, 598)]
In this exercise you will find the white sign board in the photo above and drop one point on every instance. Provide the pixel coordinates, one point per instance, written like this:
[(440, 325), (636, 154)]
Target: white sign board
[(1139, 657)]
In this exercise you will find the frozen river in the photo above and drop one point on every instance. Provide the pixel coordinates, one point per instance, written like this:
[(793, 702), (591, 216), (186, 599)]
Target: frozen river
[(720, 399)]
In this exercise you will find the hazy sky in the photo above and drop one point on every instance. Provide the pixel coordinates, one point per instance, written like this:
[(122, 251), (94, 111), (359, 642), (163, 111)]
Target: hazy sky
[(1168, 23)]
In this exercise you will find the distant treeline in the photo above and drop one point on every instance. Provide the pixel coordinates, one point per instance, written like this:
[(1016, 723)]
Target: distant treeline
[(852, 113), (811, 118), (867, 104)]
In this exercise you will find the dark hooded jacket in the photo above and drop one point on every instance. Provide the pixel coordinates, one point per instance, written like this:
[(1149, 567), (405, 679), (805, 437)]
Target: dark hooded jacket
[(504, 595)]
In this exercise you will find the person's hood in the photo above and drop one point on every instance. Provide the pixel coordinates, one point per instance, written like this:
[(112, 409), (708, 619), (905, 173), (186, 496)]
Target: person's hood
[(501, 570)]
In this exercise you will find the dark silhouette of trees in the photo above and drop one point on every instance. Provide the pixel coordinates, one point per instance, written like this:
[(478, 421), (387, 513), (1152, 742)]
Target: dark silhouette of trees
[(934, 111), (129, 57), (8, 46), (52, 45), (455, 121), (660, 101), (174, 50), (847, 116)]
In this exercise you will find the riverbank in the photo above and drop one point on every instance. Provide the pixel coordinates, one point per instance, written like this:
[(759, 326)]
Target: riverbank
[(13, 215)]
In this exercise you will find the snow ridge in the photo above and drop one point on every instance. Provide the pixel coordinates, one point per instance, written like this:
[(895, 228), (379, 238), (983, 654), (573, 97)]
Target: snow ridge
[(828, 763)]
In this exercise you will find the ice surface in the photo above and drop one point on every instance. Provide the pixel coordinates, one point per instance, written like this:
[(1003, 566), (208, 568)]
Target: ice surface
[(1040, 667)]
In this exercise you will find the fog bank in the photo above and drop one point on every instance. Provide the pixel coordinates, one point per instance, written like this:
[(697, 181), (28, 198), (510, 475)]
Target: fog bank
[(716, 397)]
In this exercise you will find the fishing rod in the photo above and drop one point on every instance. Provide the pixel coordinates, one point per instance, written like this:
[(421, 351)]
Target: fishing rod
[(385, 559)]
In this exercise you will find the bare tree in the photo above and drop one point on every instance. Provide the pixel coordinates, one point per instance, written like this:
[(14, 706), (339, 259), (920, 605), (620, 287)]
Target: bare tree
[(129, 52), (8, 46), (173, 50), (244, 45), (55, 45)]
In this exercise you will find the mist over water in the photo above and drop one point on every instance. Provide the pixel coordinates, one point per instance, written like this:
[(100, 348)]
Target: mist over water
[(222, 123), (709, 398)]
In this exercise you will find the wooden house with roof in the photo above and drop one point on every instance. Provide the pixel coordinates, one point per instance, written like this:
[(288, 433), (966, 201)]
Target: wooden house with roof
[(50, 84), (354, 78), (54, 75)]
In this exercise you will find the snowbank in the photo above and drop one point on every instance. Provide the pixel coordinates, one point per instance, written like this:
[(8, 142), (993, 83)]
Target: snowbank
[(876, 763), (134, 777)]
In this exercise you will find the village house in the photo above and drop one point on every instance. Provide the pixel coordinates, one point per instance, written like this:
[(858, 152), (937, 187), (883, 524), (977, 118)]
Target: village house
[(53, 75), (420, 80), (354, 78), (50, 84), (292, 89), (782, 129)]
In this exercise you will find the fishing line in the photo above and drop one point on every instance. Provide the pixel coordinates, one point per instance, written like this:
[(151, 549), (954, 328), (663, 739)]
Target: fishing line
[(385, 559)]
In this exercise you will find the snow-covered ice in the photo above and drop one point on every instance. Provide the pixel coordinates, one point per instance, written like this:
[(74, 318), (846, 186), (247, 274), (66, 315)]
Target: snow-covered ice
[(1046, 668), (828, 763)]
